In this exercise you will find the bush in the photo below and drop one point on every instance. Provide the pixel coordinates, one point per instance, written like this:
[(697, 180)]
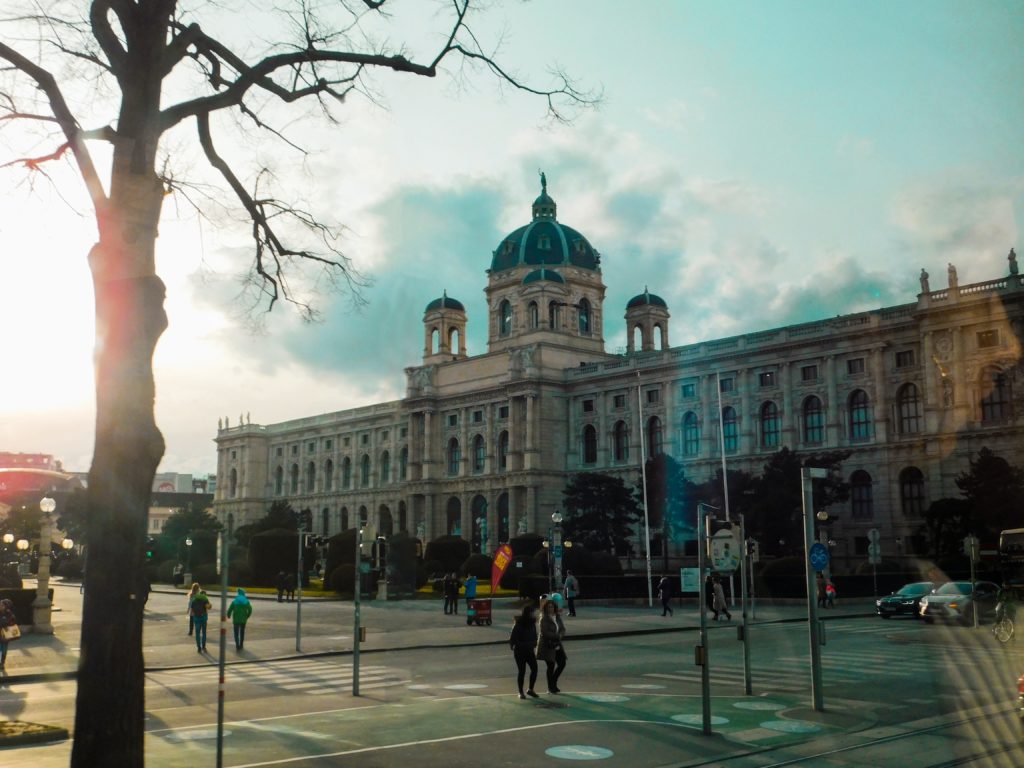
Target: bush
[(22, 599), (526, 545), (239, 573), (342, 579), (341, 549), (9, 576), (401, 562), (206, 574), (274, 551), (606, 564), (452, 551), (533, 585), (165, 571), (477, 564), (70, 567)]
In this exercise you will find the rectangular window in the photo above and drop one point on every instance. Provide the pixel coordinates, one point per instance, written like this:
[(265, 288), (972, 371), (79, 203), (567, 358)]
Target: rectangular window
[(860, 545), (365, 439), (453, 419), (726, 385), (905, 358), (234, 454), (502, 411), (311, 447), (766, 378), (653, 396), (403, 432), (280, 451), (855, 365), (478, 417), (295, 450), (328, 445), (988, 339), (588, 406), (689, 391), (346, 441), (620, 401), (809, 373)]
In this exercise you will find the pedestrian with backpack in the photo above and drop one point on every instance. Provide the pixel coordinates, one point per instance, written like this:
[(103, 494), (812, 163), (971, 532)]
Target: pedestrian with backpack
[(188, 608), (199, 609), (239, 612)]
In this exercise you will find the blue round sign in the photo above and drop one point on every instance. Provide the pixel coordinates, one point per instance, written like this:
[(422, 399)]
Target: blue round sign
[(819, 556)]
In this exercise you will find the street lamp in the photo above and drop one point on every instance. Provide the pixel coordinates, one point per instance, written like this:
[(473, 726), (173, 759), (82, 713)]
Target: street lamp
[(188, 560), (8, 539), (41, 606), (67, 544), (556, 518)]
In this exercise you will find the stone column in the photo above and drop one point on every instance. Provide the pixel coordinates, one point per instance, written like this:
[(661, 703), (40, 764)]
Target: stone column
[(832, 405), (878, 371), (709, 434), (748, 410), (528, 448), (788, 428), (426, 459)]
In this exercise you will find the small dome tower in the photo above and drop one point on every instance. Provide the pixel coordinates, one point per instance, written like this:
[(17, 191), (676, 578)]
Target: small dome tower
[(647, 313), (444, 330)]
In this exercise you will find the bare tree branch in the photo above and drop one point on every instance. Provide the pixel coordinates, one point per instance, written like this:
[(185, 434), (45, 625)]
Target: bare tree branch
[(100, 21)]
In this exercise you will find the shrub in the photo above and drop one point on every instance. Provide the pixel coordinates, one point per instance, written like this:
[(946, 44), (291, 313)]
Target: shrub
[(341, 549), (273, 551), (22, 599), (526, 545), (206, 574), (70, 567), (342, 579), (401, 562), (606, 564), (533, 585), (165, 571), (452, 551), (9, 576), (239, 573), (477, 564)]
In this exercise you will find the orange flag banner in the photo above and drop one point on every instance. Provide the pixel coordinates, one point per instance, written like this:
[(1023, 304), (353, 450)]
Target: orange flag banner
[(501, 560)]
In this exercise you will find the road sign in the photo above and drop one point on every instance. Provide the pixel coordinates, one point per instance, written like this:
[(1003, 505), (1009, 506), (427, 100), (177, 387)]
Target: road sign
[(972, 548), (819, 557), (725, 551), (874, 554), (689, 579), (874, 536)]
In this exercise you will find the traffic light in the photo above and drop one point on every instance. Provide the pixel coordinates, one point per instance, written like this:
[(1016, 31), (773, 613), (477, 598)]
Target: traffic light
[(150, 547), (752, 551)]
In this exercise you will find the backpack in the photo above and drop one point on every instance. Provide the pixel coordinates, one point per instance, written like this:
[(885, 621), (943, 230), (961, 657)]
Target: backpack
[(199, 604)]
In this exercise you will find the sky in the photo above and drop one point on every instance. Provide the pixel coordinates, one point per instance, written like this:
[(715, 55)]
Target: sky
[(755, 163)]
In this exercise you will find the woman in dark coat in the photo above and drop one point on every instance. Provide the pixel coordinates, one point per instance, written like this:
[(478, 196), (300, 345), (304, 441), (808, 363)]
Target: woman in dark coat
[(8, 619), (549, 646), (523, 640)]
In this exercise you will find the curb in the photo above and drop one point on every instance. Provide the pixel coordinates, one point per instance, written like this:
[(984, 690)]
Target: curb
[(44, 734)]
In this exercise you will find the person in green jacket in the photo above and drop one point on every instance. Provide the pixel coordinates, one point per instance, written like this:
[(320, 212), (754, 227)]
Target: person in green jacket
[(239, 612)]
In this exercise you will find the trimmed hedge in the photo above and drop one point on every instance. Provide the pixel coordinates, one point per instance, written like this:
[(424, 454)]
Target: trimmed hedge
[(451, 551), (477, 564), (273, 551), (22, 599)]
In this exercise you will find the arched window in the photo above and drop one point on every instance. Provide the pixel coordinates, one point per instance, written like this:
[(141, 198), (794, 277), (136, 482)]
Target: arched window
[(325, 521), (403, 517), (329, 475), (403, 463), (584, 314), (435, 341), (364, 471), (814, 420), (505, 318), (454, 456), (638, 338), (691, 434), (860, 415), (769, 425), (454, 517), (862, 505), (311, 477), (620, 441), (996, 393), (729, 432), (344, 518), (554, 321), (908, 407), (279, 481), (234, 482), (453, 341), (534, 311), (653, 437), (504, 529), (385, 468), (346, 473), (385, 523), (503, 451), (659, 337), (479, 454), (478, 519), (912, 492), (589, 444), (364, 517), (293, 478)]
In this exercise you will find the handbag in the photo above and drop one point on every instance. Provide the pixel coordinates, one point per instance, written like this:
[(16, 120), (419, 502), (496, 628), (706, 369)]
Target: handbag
[(12, 632)]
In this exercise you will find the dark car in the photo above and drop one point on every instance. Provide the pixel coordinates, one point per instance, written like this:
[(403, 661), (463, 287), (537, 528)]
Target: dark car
[(906, 600), (954, 601)]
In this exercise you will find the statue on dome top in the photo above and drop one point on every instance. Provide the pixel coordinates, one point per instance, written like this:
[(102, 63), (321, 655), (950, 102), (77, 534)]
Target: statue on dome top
[(1012, 258), (543, 183), (951, 272), (924, 281)]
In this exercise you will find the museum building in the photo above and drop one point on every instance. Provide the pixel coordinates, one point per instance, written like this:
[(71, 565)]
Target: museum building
[(912, 391)]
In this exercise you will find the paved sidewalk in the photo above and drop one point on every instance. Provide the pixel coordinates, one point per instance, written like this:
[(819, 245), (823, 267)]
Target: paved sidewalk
[(328, 628)]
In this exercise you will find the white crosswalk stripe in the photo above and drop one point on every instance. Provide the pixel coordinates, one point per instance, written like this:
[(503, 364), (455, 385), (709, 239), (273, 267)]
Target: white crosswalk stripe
[(311, 676)]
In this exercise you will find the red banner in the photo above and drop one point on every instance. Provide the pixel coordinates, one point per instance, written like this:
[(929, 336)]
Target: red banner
[(501, 560)]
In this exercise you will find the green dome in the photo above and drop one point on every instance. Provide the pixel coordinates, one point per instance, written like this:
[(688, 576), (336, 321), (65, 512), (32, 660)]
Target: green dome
[(545, 241), (543, 274), (646, 299), (445, 302)]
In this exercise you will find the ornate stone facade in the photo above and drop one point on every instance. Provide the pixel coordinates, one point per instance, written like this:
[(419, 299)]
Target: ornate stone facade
[(912, 390)]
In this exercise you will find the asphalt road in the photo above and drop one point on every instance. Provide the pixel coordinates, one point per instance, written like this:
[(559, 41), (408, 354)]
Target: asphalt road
[(897, 693)]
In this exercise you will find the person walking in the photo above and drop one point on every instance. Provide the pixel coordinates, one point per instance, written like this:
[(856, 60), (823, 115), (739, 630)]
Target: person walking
[(289, 585), (819, 581), (281, 582), (239, 612), (549, 645), (665, 593), (572, 591), (200, 610), (523, 642), (188, 608), (446, 586), (709, 595), (720, 604), (830, 594), (9, 625), (456, 586)]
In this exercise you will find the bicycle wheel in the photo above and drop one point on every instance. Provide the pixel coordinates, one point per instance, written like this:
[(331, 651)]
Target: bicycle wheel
[(1003, 630)]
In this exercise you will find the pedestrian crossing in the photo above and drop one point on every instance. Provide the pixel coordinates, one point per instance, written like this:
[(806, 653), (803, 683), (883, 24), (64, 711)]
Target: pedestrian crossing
[(314, 677)]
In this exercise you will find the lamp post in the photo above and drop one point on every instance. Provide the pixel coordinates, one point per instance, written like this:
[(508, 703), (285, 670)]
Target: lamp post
[(556, 518), (22, 546), (187, 576), (41, 606), (807, 477)]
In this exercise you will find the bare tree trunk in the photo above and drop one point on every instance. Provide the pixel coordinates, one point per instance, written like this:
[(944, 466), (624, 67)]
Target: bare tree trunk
[(130, 318)]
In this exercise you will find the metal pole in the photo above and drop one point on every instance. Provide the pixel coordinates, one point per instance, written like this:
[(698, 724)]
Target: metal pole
[(974, 585), (224, 546), (725, 475), (356, 590), (557, 541), (747, 684), (298, 601), (702, 649), (643, 475), (807, 488)]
